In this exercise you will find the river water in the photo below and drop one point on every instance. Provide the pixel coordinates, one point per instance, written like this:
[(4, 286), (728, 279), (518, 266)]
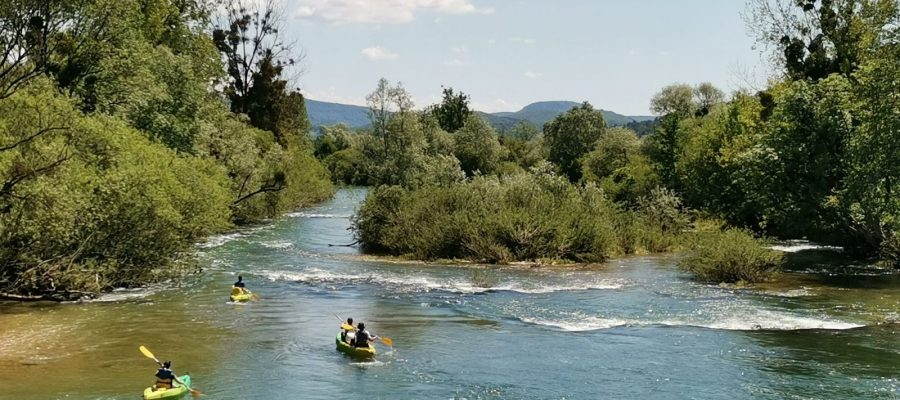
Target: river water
[(632, 328)]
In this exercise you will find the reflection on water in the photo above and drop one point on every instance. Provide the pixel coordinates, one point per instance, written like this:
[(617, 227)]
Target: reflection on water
[(633, 328)]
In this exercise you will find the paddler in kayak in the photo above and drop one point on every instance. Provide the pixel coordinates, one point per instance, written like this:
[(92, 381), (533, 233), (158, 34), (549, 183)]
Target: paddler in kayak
[(165, 376), (347, 334), (240, 284), (363, 337)]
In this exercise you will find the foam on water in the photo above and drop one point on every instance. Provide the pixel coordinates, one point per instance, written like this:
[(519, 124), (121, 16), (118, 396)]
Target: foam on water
[(427, 283), (802, 245), (749, 320), (122, 294), (579, 325), (277, 244), (308, 214)]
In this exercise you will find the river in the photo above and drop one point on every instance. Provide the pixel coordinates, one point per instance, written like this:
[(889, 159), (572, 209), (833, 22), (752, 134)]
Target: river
[(632, 328)]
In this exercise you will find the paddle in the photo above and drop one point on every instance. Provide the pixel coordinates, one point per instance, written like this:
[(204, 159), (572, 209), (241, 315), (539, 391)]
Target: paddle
[(148, 354)]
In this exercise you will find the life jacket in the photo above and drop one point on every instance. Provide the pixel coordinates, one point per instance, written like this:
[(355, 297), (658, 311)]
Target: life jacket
[(164, 378), (362, 339)]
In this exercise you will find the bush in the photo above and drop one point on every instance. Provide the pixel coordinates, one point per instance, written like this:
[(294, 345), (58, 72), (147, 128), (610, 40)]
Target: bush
[(521, 217), (114, 212), (730, 256)]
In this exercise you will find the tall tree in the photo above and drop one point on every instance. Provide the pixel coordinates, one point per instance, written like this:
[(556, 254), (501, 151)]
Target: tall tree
[(256, 56), (571, 135), (453, 111)]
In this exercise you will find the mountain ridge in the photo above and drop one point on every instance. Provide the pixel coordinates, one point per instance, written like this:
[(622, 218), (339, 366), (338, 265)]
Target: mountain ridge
[(323, 113)]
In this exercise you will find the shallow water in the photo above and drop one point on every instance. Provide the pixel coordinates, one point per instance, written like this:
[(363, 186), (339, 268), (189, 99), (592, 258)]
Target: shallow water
[(633, 328)]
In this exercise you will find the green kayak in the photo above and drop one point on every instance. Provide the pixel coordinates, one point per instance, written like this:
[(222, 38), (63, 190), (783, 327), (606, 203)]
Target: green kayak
[(173, 393), (361, 352)]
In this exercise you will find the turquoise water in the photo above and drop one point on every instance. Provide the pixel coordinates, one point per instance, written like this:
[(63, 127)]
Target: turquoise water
[(632, 328)]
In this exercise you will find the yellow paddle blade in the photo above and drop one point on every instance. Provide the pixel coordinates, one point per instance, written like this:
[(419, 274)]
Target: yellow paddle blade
[(388, 341), (195, 393), (347, 327), (146, 352), (254, 296)]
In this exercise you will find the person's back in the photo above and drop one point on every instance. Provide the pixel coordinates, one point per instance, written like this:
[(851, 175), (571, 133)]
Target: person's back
[(362, 336), (361, 339), (165, 376), (347, 334)]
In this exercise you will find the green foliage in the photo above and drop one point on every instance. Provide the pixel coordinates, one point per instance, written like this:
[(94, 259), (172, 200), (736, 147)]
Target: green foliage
[(571, 135), (730, 256), (618, 166), (476, 146), (815, 39), (107, 184), (524, 145), (332, 139), (453, 111), (114, 210), (525, 216), (869, 203)]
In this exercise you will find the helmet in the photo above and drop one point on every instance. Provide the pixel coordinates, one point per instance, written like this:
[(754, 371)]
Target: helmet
[(361, 326), (167, 364)]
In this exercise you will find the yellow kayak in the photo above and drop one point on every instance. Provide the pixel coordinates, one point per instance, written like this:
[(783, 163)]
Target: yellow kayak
[(362, 352), (173, 393), (240, 295)]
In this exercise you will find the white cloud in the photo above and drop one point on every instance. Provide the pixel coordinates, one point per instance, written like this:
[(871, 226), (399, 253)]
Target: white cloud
[(492, 41), (633, 52), (380, 11), (454, 63), (527, 41), (459, 49), (378, 53), (532, 74)]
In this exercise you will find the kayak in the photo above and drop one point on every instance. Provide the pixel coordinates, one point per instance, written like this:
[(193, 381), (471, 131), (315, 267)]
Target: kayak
[(237, 295), (354, 351), (173, 393)]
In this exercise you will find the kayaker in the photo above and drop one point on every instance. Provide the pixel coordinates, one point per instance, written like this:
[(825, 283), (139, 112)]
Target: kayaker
[(240, 284), (363, 337), (347, 334), (165, 376)]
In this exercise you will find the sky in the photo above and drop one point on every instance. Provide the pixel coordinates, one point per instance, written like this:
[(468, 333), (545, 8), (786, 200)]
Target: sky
[(506, 54)]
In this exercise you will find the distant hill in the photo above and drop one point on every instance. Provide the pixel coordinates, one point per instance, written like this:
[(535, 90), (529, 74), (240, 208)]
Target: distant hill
[(544, 111), (324, 113)]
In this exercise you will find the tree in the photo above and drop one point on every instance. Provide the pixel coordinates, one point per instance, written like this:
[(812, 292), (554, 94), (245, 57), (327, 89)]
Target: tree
[(256, 56), (571, 135), (453, 111), (676, 99), (476, 147), (706, 96), (816, 38), (619, 167)]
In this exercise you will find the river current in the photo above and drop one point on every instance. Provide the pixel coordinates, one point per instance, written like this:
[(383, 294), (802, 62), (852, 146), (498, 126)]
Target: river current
[(633, 328)]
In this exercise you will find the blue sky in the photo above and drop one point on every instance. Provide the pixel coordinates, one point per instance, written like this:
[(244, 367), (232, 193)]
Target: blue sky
[(507, 54)]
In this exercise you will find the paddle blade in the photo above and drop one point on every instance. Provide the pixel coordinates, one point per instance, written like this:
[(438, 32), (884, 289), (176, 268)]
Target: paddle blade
[(254, 296), (196, 393), (146, 352), (388, 341), (347, 327)]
